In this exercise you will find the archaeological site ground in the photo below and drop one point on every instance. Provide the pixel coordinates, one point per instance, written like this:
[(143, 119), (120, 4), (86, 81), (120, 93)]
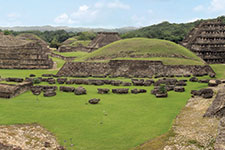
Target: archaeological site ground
[(106, 91)]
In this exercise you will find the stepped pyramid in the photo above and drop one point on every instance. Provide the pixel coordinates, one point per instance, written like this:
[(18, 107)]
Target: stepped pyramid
[(207, 40), (16, 53), (103, 39)]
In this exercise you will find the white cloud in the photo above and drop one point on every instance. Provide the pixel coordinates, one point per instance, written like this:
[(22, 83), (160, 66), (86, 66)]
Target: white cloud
[(217, 5), (199, 8), (88, 13), (118, 4), (83, 14), (213, 6), (63, 18)]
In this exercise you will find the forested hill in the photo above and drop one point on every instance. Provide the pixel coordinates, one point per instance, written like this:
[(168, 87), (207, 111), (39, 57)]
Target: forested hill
[(165, 30)]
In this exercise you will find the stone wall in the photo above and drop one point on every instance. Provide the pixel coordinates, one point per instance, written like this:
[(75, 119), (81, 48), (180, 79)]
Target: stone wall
[(12, 90), (66, 48), (129, 68), (62, 57), (83, 69)]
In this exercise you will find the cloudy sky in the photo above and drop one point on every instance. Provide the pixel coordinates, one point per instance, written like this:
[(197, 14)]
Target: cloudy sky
[(106, 13)]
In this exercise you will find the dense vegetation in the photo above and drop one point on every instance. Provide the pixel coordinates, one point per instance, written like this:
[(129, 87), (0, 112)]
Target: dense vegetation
[(165, 30), (144, 48), (55, 38)]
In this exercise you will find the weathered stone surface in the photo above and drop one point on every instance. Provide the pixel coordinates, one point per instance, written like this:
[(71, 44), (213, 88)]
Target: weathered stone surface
[(120, 91), (128, 68), (32, 75), (9, 147), (181, 83), (51, 81), (19, 80), (116, 83), (217, 109), (61, 80), (207, 41), (47, 75), (26, 137), (18, 53), (205, 93), (12, 90), (49, 93), (213, 83), (204, 81), (67, 89), (161, 95), (127, 84), (220, 140), (103, 91), (137, 91), (94, 101), (193, 79), (80, 91), (179, 89)]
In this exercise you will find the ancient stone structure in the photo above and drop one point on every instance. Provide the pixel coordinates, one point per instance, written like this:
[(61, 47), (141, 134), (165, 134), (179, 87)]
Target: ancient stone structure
[(34, 38), (207, 40), (102, 39), (12, 90), (22, 54), (129, 68)]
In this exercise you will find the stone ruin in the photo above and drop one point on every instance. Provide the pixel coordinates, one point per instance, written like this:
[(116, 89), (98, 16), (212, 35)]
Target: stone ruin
[(34, 38), (207, 40), (12, 90), (102, 39), (18, 53), (130, 68)]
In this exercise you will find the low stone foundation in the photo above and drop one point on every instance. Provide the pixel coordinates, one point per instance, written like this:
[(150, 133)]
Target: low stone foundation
[(11, 90), (130, 68)]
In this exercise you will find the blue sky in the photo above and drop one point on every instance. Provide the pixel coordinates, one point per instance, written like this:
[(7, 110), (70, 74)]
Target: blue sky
[(106, 13)]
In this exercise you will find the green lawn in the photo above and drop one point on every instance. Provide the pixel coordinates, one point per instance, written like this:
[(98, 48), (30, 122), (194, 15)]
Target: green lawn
[(119, 122), (72, 54), (220, 70), (143, 48), (82, 42)]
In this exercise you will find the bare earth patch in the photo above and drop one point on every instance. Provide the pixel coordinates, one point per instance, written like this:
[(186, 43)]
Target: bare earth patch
[(28, 137)]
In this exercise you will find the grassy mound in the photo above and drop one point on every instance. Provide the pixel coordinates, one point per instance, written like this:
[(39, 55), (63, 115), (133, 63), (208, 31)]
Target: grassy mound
[(143, 48)]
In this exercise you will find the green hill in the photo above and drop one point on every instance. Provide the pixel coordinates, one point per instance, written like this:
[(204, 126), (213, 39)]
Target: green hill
[(165, 30), (145, 49)]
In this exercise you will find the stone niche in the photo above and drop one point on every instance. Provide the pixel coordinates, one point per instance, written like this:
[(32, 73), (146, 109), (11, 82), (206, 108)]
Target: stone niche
[(207, 40), (129, 68)]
